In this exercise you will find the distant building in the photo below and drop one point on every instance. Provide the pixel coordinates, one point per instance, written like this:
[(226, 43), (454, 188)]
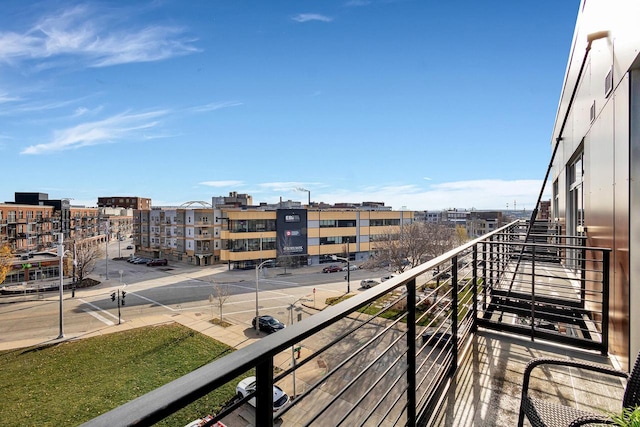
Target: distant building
[(242, 236), (476, 223), (127, 202)]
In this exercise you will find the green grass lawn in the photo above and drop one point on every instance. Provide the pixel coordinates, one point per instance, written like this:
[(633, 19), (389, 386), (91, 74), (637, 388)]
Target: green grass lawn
[(69, 383)]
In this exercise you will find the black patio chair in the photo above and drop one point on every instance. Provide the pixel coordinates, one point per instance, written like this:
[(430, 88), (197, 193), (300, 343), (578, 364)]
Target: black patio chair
[(541, 413)]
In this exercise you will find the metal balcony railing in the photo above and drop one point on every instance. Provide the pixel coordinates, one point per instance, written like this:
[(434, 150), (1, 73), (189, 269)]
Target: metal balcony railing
[(386, 356)]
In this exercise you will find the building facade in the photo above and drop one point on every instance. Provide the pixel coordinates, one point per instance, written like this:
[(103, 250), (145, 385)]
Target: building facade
[(244, 236), (596, 168), (127, 202)]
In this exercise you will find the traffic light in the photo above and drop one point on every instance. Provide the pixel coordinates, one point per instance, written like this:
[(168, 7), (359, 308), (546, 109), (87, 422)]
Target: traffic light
[(113, 296), (123, 294)]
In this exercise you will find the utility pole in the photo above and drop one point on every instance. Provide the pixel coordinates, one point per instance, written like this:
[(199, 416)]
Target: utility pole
[(61, 267)]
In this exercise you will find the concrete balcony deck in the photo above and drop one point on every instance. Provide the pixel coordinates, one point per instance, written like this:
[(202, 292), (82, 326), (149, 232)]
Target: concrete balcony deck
[(486, 390)]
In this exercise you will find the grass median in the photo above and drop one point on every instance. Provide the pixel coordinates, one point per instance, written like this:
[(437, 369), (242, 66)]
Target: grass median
[(72, 382)]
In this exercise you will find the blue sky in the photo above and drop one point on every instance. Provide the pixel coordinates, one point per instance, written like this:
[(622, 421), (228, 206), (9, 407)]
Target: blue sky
[(420, 104)]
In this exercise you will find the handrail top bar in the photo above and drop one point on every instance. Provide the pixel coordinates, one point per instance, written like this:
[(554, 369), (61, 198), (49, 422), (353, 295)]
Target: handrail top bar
[(157, 404), (555, 245)]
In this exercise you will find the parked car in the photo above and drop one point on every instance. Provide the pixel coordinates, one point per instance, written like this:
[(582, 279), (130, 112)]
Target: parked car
[(268, 324), (443, 275), (387, 277), (436, 339), (157, 261), (129, 246), (248, 386), (368, 283), (333, 268), (351, 267), (141, 260)]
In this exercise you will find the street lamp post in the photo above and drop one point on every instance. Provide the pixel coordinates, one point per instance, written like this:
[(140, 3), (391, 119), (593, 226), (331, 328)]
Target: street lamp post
[(106, 249), (61, 255), (335, 258), (258, 267)]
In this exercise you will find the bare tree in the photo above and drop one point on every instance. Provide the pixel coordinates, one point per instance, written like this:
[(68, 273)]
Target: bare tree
[(414, 244), (86, 255), (220, 295), (6, 258)]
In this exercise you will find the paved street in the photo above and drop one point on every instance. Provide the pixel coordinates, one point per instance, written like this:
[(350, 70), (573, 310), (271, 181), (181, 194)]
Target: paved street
[(164, 292)]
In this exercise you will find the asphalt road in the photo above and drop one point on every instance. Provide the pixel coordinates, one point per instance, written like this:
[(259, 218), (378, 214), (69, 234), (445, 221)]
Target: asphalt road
[(165, 290)]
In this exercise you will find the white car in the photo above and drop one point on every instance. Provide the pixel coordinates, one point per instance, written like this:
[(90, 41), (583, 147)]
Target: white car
[(368, 283), (248, 386), (351, 267)]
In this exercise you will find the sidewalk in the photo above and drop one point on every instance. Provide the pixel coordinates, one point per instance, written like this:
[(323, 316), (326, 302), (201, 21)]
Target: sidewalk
[(236, 335)]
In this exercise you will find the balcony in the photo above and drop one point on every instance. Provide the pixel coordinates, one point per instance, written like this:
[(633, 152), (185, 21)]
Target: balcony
[(442, 344)]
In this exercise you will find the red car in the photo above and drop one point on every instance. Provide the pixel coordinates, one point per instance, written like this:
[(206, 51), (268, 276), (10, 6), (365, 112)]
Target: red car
[(332, 269), (157, 261)]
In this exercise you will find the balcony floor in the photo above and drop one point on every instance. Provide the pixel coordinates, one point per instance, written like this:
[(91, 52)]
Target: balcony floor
[(486, 390)]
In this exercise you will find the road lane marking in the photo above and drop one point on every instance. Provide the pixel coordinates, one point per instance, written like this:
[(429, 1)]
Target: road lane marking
[(98, 308), (154, 302), (97, 316)]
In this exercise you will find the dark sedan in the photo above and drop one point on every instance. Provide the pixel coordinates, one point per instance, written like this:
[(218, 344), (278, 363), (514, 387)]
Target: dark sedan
[(268, 324)]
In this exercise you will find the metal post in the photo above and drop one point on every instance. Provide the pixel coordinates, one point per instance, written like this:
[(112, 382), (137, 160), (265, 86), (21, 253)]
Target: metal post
[(264, 393), (293, 358), (256, 318), (258, 267), (474, 288), (605, 302), (106, 251), (61, 255), (454, 313), (348, 270), (411, 353)]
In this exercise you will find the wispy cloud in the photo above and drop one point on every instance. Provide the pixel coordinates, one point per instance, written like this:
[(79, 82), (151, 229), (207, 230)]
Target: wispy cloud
[(288, 186), (6, 98), (214, 106), (479, 194), (356, 3), (219, 184), (84, 111), (95, 38), (118, 127), (306, 17)]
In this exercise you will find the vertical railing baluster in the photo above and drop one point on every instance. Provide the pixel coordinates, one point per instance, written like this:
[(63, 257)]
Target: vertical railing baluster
[(533, 291), (583, 276), (411, 353), (605, 302), (454, 312), (474, 288), (485, 282), (264, 393)]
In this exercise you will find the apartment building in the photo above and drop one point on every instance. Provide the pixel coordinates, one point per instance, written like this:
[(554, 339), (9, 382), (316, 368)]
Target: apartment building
[(475, 222), (244, 236), (127, 202)]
